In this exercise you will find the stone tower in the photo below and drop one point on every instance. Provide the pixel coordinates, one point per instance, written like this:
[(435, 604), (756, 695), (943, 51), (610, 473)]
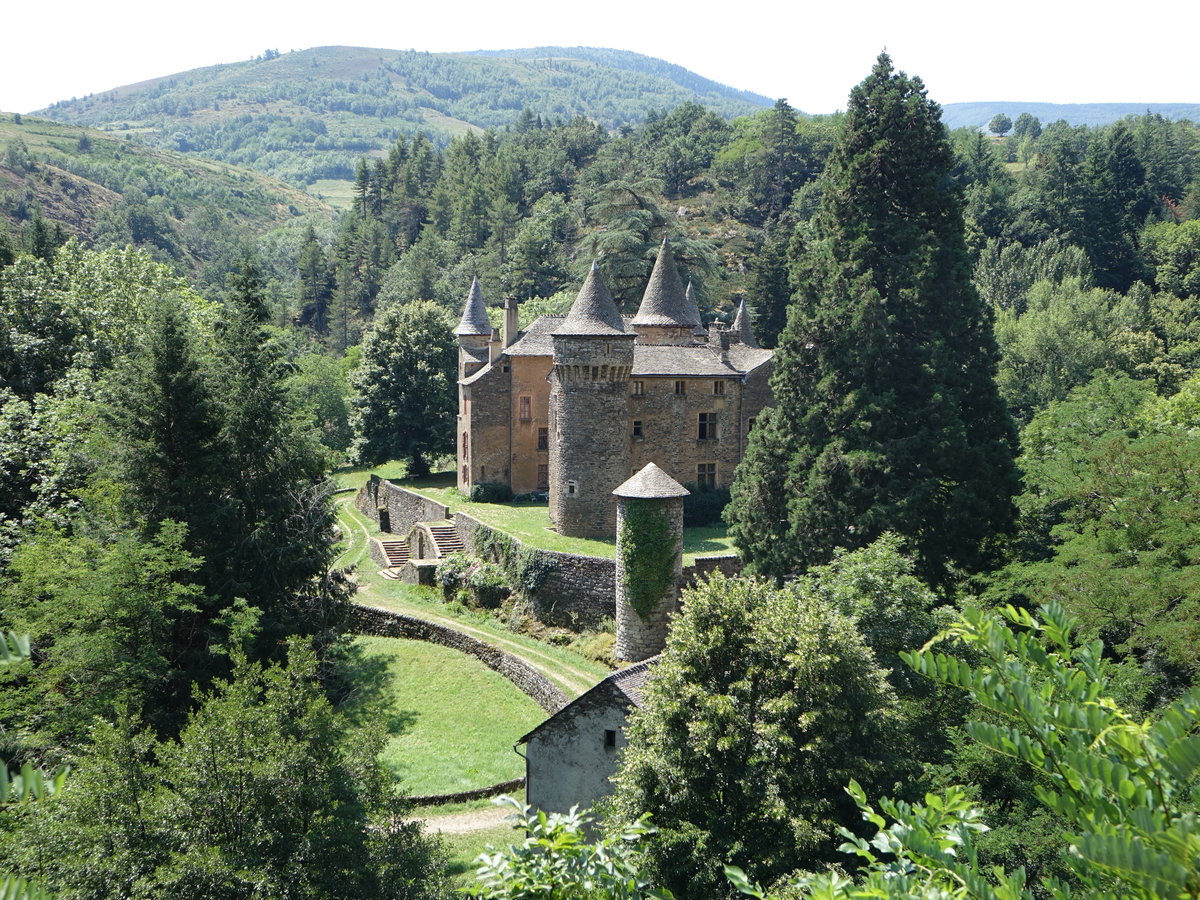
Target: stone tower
[(589, 409), (649, 560), (474, 332), (667, 314)]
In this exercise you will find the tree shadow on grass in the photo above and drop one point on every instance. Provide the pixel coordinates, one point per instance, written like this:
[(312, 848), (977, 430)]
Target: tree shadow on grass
[(361, 690)]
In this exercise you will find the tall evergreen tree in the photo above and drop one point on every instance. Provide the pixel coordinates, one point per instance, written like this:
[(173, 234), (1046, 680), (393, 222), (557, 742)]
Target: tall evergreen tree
[(887, 414)]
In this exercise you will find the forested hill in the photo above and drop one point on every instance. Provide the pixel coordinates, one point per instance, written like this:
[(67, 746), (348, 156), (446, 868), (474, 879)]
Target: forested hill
[(636, 62), (311, 114), (64, 181), (977, 115)]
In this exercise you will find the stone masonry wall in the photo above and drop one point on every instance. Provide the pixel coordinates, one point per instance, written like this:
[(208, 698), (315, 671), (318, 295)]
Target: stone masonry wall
[(385, 623), (405, 508)]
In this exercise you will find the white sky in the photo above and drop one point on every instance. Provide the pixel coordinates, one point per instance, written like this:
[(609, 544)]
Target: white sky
[(1048, 50)]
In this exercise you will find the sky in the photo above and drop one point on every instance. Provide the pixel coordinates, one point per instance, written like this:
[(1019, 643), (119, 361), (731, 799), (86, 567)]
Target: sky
[(1050, 51)]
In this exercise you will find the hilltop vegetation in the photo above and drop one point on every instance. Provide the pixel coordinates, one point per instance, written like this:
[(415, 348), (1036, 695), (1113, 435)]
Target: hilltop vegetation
[(311, 114), (112, 191)]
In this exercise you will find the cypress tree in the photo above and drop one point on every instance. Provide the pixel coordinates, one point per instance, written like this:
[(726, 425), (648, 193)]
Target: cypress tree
[(887, 416)]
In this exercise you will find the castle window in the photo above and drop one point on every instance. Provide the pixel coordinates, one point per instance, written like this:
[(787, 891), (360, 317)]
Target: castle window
[(505, 368), (543, 482), (707, 430), (681, 387), (526, 408), (572, 488), (639, 388), (706, 475), (466, 475), (610, 738), (637, 428), (465, 444), (543, 438), (718, 389)]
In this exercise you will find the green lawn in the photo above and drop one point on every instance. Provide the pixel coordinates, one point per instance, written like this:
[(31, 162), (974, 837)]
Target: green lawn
[(530, 523), (452, 721)]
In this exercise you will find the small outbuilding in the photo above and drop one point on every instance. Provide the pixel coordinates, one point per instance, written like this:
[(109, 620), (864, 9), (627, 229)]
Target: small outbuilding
[(571, 757)]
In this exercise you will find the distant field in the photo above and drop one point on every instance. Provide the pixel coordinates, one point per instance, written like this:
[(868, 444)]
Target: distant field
[(452, 721), (335, 191)]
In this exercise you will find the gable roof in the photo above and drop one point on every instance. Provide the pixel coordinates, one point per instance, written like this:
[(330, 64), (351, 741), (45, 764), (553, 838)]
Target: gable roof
[(627, 685), (665, 301)]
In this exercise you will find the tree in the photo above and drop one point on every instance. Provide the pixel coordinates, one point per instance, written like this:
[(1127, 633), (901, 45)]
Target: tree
[(258, 797), (887, 416), (1027, 126), (1000, 124), (763, 704), (554, 861), (1122, 786), (405, 393)]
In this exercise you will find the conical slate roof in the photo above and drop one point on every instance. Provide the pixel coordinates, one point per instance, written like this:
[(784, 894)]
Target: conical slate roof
[(665, 302), (594, 310), (474, 317), (690, 296), (652, 483), (742, 326)]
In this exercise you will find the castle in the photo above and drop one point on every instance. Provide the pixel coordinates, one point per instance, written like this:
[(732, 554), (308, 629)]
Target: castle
[(576, 404)]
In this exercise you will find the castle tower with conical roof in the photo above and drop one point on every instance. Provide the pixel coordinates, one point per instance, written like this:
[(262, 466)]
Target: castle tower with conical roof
[(649, 561), (666, 315), (742, 328), (589, 409)]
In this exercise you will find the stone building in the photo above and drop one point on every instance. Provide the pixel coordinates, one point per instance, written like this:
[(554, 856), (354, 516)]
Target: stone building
[(571, 757), (574, 405)]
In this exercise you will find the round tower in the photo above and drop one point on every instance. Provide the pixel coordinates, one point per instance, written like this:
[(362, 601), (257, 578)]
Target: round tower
[(589, 413), (649, 561)]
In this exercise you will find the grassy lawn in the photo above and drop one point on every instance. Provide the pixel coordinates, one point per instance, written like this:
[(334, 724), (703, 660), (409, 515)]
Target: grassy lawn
[(451, 720), (464, 848), (530, 523)]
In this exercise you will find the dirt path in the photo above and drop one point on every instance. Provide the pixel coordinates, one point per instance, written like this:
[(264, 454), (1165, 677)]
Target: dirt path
[(464, 822), (573, 680)]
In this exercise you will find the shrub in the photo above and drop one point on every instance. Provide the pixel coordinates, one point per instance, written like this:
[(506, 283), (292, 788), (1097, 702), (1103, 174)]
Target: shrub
[(490, 492), (704, 505), (487, 585), (451, 574)]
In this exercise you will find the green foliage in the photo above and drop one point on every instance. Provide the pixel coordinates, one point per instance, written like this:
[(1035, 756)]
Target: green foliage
[(1000, 124), (887, 415), (451, 574), (704, 505), (763, 704), (555, 861), (1173, 252), (257, 798), (404, 401), (526, 568), (1122, 786), (490, 492), (647, 545)]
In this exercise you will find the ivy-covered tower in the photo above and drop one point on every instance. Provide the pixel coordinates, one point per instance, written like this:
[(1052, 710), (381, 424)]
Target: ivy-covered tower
[(649, 560), (589, 409)]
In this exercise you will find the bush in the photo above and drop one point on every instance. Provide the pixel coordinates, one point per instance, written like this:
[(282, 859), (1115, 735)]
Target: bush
[(704, 505), (451, 574), (490, 492), (487, 585)]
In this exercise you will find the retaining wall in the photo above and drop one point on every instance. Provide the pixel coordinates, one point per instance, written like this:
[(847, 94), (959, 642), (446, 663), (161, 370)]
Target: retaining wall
[(386, 623), (405, 508)]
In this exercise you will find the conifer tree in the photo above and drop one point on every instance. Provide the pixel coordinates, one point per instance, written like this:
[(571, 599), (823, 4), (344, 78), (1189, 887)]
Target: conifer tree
[(887, 416)]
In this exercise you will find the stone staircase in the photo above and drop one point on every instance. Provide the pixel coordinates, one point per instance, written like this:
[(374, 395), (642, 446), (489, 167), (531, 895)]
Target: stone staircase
[(445, 536), (396, 552)]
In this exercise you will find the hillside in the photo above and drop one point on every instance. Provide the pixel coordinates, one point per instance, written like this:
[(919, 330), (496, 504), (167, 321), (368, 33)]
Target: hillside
[(111, 190), (311, 114), (977, 115)]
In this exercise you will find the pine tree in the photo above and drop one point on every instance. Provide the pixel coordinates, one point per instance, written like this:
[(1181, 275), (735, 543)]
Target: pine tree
[(887, 414)]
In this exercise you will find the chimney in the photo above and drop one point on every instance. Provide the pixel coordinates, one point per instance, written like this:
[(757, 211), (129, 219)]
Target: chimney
[(494, 346), (510, 320)]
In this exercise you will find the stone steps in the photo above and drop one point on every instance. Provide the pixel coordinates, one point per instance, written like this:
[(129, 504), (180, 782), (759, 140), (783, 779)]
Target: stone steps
[(447, 540), (396, 552)]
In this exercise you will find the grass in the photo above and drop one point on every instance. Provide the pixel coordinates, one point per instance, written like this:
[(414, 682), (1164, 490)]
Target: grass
[(529, 522), (462, 849), (451, 721)]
